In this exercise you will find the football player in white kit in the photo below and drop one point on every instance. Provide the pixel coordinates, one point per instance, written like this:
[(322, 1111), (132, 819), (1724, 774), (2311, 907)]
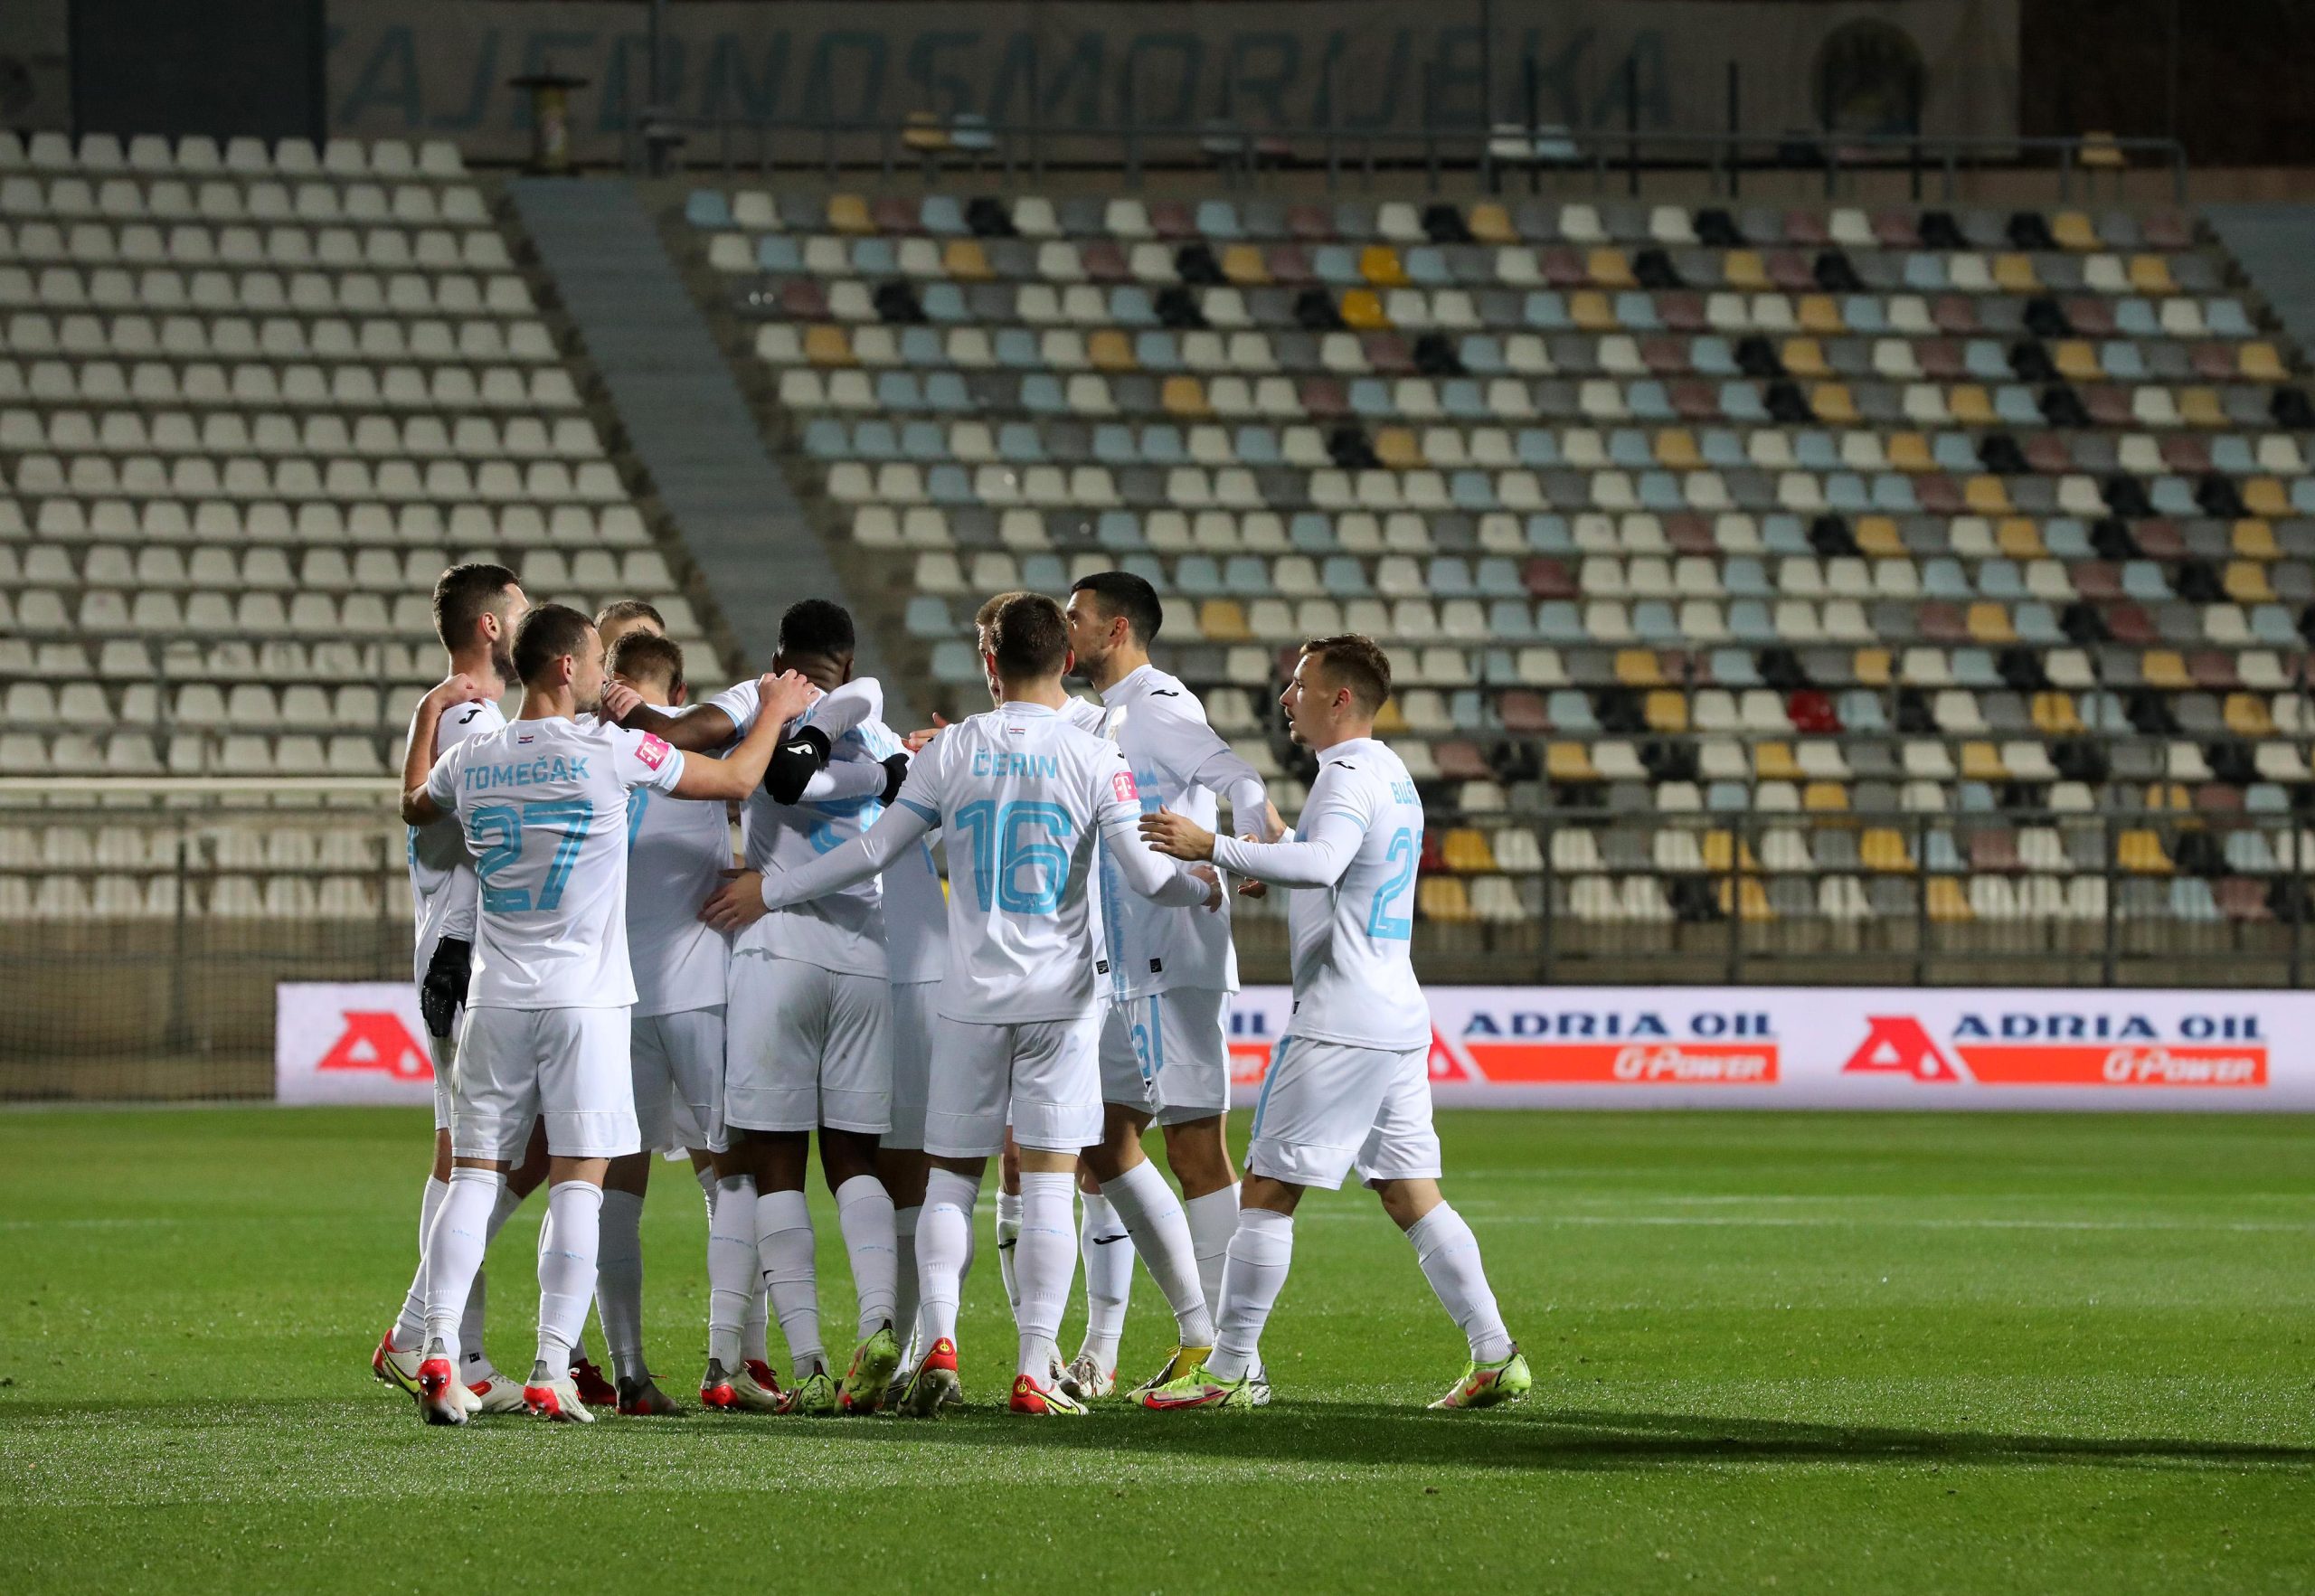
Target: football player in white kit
[(542, 803), (477, 608), (1349, 1085), (1024, 798), (1165, 1040)]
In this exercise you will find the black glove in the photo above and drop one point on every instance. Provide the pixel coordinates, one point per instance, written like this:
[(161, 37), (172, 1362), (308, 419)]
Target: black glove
[(895, 772), (795, 761), (445, 985)]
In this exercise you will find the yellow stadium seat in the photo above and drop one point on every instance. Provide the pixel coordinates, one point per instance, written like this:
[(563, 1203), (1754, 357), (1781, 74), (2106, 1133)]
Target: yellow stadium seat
[(1184, 395), (1380, 264), (1589, 310), (1981, 762), (1363, 308), (1872, 666), (1970, 404), (1988, 621), (2014, 274), (1909, 451), (1986, 495), (1878, 536), (2151, 274), (2255, 540), (1396, 448), (1466, 853), (1442, 898), (2261, 363), (1947, 902), (1833, 404), (1224, 620), (1722, 851), (2263, 496), (2077, 361), (2073, 231), (2200, 407), (2169, 796), (2246, 715), (1390, 716), (1774, 761), (2247, 583), (1743, 268), (1820, 313), (1640, 667), (1243, 264), (1610, 269), (1882, 848), (965, 261), (1491, 223), (2019, 538), (2055, 714), (848, 212), (1568, 761), (2140, 851), (827, 345), (1805, 357), (1825, 797), (1675, 447), (2165, 668), (1665, 710), (1110, 350), (1752, 897)]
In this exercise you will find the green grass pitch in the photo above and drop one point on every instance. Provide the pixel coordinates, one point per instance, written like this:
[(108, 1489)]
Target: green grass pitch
[(1823, 1351)]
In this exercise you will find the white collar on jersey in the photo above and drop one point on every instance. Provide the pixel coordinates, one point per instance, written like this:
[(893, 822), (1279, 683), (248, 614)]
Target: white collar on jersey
[(1022, 706), (1345, 749), (1117, 690)]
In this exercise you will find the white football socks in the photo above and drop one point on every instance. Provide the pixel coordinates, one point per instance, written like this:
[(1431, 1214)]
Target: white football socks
[(944, 1239), (409, 1326), (863, 1213), (1450, 1255), (735, 1272), (1044, 1262), (477, 1362), (1152, 1214), (568, 1245), (784, 1252), (904, 1288), (454, 1251), (1107, 1252), (705, 1175), (1213, 1220), (1260, 1255), (1008, 1236), (618, 1283)]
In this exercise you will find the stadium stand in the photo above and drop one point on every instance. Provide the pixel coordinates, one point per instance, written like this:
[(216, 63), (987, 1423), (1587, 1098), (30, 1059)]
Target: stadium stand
[(1855, 577), (252, 400)]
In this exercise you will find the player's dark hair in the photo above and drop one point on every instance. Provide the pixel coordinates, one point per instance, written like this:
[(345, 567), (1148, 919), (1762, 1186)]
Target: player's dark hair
[(545, 635), (463, 595), (619, 609), (640, 657), (1120, 592), (1354, 661), (817, 627), (985, 616), (1030, 638)]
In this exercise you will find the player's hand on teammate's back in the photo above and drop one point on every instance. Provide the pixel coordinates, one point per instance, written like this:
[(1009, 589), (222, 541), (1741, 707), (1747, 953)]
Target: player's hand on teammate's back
[(620, 701), (1213, 880), (457, 689), (915, 740), (785, 696), (739, 902), (1177, 835)]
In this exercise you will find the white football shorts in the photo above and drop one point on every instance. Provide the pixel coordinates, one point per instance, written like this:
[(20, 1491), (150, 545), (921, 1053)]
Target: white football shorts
[(1168, 1055), (1044, 1072), (806, 1047), (567, 1066), (1326, 1106), (679, 1058), (915, 1017), (444, 1052)]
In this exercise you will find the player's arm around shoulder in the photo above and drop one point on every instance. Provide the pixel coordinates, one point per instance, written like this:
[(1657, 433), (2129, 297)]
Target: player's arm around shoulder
[(700, 729), (738, 773), (425, 798)]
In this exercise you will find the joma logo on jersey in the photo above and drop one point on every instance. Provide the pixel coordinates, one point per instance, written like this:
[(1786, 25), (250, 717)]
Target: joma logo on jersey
[(483, 778), (1004, 761), (376, 1039)]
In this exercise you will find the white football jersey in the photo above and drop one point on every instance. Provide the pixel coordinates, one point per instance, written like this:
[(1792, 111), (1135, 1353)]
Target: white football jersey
[(916, 917), (441, 871), (677, 850), (1352, 860), (1182, 764), (1023, 798), (844, 930), (544, 807)]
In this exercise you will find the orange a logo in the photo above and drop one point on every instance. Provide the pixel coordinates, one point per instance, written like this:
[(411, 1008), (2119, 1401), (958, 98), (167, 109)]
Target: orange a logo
[(1897, 1045), (376, 1039)]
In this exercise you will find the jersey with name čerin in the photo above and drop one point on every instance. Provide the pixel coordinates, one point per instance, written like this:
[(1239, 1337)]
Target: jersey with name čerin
[(543, 805)]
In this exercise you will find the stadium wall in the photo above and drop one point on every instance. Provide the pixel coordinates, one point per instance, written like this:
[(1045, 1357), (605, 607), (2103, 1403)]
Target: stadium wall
[(1625, 1047)]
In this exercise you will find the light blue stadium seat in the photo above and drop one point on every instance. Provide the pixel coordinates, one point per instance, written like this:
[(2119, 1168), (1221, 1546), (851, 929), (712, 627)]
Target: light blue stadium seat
[(944, 302), (874, 257), (779, 253), (2226, 319), (1558, 620), (1636, 309), (876, 440), (1371, 397), (1499, 578), (1427, 267), (2172, 496), (955, 664), (1537, 448), (1723, 449), (1336, 266), (950, 486), (1571, 711), (1462, 398), (1472, 490), (1955, 452), (945, 394), (1713, 356), (897, 390), (1119, 531), (927, 617), (921, 347), (1468, 708), (1344, 577), (1311, 533), (1924, 273), (1218, 220), (2066, 539), (1021, 444), (1482, 357), (1815, 450), (828, 438), (2266, 798), (1145, 566), (1630, 449), (1158, 351), (1999, 579), (2122, 360), (1865, 315), (1114, 444), (1129, 306), (2270, 625), (1652, 621), (1198, 577), (942, 216), (1545, 310), (925, 442), (1846, 494), (1255, 445), (1016, 348), (1247, 576), (1892, 494), (2142, 580), (1161, 445), (1975, 668), (1727, 798), (1660, 491), (1735, 668), (1742, 403), (2231, 452), (2191, 899), (1548, 534), (1044, 573), (1511, 620), (1449, 577), (1749, 622), (2038, 623), (1740, 577), (1782, 534), (2015, 403), (707, 207), (2135, 318), (1042, 395), (1860, 711)]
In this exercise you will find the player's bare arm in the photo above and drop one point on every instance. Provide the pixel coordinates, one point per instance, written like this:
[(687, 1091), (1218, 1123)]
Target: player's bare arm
[(699, 730), (739, 772), (418, 760), (1177, 837)]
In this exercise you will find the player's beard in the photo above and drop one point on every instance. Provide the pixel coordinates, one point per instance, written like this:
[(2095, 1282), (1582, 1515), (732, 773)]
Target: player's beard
[(502, 661)]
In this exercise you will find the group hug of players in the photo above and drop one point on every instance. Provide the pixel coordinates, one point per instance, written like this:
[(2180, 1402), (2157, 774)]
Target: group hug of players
[(599, 984)]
